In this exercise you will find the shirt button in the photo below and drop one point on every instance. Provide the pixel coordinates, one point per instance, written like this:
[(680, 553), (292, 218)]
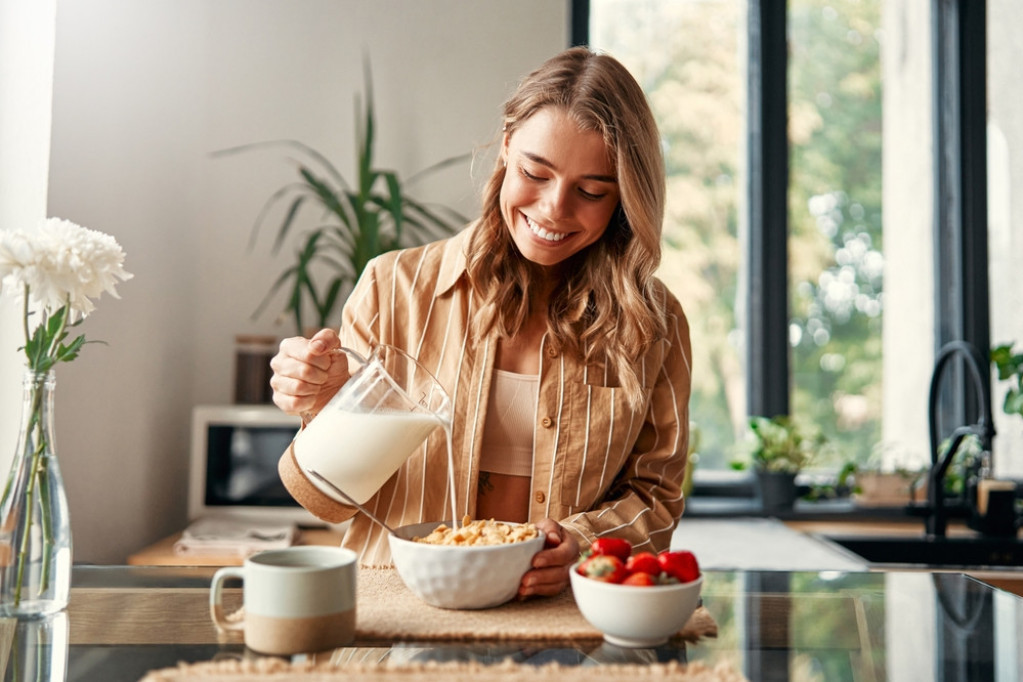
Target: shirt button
[(540, 497), (552, 352), (547, 422)]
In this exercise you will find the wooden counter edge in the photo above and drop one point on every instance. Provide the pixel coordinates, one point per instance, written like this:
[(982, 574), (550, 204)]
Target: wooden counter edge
[(162, 553)]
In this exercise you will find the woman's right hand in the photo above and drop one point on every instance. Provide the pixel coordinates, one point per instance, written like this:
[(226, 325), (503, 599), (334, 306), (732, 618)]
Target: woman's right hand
[(308, 372)]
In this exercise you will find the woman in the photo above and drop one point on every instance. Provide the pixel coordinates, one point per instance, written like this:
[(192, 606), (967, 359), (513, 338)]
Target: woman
[(568, 362)]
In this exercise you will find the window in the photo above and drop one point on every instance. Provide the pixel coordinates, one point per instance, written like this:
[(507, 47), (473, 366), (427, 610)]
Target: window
[(835, 244), (845, 218), (1005, 210)]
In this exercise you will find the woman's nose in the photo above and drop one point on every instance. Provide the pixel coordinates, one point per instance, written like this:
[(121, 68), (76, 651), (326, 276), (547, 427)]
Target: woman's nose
[(555, 200)]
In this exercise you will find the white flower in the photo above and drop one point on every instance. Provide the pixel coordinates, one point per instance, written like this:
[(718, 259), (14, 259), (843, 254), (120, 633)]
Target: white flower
[(59, 263)]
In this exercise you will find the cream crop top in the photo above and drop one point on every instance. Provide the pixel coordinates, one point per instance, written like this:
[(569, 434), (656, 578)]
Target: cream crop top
[(508, 430)]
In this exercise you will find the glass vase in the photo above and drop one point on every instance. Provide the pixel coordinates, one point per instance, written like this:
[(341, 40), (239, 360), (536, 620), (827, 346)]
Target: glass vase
[(39, 649), (35, 533)]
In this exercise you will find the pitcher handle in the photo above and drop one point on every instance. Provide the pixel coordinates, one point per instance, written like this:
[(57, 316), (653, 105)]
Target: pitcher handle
[(358, 356)]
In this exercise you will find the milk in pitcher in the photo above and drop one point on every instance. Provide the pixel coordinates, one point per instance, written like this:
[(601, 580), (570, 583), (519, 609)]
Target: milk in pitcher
[(359, 451)]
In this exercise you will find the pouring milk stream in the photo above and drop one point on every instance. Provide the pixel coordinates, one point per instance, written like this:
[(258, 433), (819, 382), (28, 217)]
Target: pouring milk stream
[(385, 410)]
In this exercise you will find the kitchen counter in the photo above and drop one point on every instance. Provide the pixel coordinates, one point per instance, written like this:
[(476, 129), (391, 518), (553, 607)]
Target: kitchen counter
[(772, 625), (756, 543)]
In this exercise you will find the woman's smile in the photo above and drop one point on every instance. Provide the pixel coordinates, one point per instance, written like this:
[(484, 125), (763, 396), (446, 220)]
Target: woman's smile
[(546, 235)]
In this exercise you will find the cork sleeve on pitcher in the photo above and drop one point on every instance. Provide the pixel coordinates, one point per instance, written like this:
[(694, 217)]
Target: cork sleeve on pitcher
[(308, 495)]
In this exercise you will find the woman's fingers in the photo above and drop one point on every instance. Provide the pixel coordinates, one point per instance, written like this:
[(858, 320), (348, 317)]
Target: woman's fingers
[(549, 575), (307, 372)]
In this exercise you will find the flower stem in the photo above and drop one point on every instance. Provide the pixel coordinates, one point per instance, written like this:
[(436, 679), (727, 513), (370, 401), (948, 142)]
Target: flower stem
[(34, 481), (46, 522), (24, 317)]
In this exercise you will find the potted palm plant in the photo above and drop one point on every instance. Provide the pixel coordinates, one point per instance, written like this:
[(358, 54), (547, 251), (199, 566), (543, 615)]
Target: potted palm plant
[(354, 222), (780, 451)]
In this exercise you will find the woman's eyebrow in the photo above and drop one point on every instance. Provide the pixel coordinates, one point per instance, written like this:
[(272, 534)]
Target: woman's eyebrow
[(536, 158)]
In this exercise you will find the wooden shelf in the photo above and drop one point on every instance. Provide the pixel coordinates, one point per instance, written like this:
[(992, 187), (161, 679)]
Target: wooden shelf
[(162, 553)]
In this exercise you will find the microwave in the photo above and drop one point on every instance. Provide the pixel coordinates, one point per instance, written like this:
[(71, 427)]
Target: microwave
[(233, 465)]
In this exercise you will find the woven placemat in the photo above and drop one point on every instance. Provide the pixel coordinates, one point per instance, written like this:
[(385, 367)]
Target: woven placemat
[(388, 611), (275, 670)]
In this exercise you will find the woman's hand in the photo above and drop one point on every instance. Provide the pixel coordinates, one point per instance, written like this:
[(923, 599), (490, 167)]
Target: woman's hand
[(549, 575), (308, 372)]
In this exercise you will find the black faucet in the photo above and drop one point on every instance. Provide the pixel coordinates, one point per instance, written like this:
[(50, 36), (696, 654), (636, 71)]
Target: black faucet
[(984, 430)]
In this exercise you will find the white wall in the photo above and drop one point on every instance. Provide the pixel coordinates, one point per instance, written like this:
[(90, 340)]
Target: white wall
[(143, 92), (907, 175), (26, 88)]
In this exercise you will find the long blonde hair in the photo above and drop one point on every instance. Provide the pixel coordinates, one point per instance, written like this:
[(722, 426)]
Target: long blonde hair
[(606, 306)]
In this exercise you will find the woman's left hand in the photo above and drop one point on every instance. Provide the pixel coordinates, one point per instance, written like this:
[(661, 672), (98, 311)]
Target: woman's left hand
[(549, 575)]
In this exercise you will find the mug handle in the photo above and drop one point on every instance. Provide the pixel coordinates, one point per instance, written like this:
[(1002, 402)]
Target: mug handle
[(216, 597)]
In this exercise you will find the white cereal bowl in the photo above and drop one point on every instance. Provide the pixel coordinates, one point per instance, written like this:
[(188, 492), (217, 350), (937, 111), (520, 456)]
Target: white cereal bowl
[(635, 616), (453, 577)]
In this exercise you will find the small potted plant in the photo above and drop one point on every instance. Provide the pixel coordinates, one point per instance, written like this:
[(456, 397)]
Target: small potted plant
[(780, 451), (889, 480)]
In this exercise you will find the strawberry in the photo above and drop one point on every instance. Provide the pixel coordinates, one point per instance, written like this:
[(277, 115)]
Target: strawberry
[(603, 567), (643, 562), (639, 579), (680, 564), (616, 547)]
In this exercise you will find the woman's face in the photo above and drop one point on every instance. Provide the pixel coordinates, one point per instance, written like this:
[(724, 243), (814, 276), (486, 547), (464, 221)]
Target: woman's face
[(560, 188)]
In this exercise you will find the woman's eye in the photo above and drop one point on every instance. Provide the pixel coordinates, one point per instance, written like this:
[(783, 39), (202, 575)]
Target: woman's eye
[(528, 175), (592, 196)]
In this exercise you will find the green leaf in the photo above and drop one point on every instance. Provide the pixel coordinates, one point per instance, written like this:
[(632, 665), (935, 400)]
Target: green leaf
[(301, 147), (268, 205), (56, 322), (70, 352), (35, 346), (439, 166), (395, 205), (368, 133), (289, 218), (1013, 402), (329, 301)]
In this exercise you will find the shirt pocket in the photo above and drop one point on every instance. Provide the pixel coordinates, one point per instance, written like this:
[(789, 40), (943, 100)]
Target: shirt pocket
[(605, 429), (599, 445)]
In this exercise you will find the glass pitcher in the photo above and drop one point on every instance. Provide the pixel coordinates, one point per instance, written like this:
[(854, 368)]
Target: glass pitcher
[(385, 410)]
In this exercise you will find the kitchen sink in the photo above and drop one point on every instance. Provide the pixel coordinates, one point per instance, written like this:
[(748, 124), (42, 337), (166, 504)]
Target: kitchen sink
[(946, 552)]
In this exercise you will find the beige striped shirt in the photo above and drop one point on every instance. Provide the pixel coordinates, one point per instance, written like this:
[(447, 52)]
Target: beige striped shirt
[(599, 467)]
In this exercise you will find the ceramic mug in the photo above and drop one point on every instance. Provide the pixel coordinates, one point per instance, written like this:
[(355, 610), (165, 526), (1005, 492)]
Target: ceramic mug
[(295, 600)]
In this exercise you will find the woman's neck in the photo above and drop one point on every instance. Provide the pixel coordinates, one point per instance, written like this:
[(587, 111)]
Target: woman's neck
[(521, 353)]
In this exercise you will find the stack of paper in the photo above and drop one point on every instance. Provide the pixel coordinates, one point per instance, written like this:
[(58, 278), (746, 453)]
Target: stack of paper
[(208, 537)]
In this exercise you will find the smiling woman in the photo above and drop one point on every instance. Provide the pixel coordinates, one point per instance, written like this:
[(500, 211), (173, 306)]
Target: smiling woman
[(545, 307)]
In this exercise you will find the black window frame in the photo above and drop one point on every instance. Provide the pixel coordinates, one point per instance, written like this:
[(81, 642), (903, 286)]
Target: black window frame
[(959, 105)]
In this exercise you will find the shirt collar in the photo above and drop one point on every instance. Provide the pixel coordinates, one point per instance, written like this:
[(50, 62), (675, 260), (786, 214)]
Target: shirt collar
[(455, 263), (455, 259)]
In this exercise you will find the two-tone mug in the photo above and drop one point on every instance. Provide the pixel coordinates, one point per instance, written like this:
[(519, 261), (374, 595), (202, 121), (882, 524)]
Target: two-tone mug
[(295, 600)]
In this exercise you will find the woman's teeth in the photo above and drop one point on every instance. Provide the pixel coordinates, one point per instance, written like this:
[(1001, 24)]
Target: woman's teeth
[(544, 234)]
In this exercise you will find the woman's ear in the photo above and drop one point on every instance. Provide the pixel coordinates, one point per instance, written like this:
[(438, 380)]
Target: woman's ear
[(505, 138)]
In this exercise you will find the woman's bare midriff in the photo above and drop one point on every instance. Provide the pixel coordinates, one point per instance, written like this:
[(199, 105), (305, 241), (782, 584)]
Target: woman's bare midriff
[(503, 497)]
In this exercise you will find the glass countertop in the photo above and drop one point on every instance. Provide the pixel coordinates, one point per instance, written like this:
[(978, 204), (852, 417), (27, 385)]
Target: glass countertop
[(774, 625)]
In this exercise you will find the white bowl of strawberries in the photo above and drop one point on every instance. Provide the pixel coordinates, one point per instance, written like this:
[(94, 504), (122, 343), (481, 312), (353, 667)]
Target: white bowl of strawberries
[(636, 599)]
